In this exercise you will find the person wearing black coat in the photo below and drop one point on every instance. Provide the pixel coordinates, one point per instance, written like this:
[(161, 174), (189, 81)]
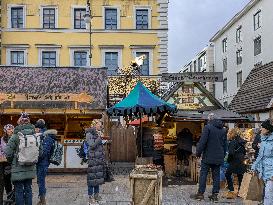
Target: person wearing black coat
[(212, 146), (236, 156)]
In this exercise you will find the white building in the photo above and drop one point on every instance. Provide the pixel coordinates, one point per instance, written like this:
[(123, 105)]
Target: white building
[(202, 62), (243, 43)]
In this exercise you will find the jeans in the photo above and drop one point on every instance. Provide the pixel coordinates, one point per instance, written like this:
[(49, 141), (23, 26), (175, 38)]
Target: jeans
[(23, 192), (268, 195), (93, 190), (41, 175), (230, 181), (215, 169)]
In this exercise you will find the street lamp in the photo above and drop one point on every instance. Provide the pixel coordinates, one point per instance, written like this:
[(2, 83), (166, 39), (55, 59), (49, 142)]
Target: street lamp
[(88, 20)]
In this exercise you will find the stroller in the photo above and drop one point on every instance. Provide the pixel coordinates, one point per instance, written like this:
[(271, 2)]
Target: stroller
[(10, 198)]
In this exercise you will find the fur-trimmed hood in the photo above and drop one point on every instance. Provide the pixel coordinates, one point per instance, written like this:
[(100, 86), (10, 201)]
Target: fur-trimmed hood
[(51, 132)]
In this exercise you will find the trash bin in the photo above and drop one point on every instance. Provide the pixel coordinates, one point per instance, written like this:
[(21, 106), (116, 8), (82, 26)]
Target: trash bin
[(146, 186)]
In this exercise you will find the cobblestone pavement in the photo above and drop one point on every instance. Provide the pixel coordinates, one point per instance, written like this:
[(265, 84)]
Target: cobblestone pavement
[(72, 190)]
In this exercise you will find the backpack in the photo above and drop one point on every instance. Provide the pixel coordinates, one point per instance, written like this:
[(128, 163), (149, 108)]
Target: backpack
[(83, 151), (57, 154), (28, 150)]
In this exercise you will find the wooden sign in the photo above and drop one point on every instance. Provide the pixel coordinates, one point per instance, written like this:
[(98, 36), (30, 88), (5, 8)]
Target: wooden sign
[(62, 97), (193, 77)]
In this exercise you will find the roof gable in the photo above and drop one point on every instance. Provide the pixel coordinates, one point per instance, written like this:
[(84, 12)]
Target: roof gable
[(256, 92), (192, 96)]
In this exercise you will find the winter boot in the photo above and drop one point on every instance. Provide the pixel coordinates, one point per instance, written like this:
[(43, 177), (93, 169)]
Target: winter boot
[(231, 195), (43, 200), (97, 197), (214, 198), (197, 196)]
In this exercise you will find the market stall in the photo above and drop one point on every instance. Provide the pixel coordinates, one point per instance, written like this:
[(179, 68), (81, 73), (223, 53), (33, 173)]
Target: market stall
[(67, 99)]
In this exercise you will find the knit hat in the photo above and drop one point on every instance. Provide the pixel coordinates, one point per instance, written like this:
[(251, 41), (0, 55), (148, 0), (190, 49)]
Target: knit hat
[(40, 124), (24, 119), (8, 126), (268, 124)]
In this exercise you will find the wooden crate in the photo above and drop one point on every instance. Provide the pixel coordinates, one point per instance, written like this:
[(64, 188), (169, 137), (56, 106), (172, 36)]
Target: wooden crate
[(170, 162), (146, 187)]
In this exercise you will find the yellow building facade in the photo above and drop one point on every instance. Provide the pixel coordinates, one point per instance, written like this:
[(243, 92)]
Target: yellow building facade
[(53, 33)]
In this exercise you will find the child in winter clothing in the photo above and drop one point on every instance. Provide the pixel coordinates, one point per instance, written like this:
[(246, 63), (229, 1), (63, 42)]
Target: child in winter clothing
[(264, 162), (5, 168)]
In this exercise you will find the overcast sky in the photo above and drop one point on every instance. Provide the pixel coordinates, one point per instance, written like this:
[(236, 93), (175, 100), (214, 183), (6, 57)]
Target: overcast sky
[(192, 23)]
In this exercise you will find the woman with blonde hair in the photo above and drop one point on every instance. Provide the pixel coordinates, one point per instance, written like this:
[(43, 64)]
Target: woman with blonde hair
[(96, 160), (236, 156)]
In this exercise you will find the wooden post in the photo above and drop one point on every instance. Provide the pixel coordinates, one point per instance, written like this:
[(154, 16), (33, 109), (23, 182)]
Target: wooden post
[(64, 136)]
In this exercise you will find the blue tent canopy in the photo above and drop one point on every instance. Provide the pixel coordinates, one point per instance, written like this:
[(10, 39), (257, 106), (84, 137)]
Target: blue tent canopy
[(141, 100)]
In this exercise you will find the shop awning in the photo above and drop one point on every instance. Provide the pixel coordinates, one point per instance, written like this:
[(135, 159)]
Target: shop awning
[(141, 100)]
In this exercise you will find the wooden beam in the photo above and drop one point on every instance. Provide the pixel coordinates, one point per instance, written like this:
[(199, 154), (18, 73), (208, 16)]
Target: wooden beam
[(148, 193)]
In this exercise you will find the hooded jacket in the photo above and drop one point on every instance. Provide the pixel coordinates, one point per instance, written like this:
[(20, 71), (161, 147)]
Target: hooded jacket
[(213, 143), (264, 161), (48, 141), (237, 152), (19, 172), (96, 160)]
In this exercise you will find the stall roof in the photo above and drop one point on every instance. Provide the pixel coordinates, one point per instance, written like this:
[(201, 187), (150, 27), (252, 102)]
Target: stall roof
[(53, 88), (256, 93)]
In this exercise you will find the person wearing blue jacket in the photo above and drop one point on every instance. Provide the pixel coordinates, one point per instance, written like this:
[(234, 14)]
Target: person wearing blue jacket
[(264, 162), (47, 143)]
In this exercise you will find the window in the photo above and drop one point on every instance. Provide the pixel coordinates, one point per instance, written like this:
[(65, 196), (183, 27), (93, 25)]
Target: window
[(257, 46), (49, 58), (79, 22), (49, 18), (239, 79), (226, 104), (224, 45), (80, 58), (145, 68), (194, 66), (111, 62), (111, 18), (239, 58), (17, 17), (225, 85), (142, 19), (17, 58), (257, 20), (238, 35), (225, 64)]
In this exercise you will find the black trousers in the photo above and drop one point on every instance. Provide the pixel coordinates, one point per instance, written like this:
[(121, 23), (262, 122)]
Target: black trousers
[(5, 182), (230, 181)]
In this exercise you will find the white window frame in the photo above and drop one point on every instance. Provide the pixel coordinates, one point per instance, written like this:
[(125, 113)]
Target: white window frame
[(150, 51), (259, 11), (42, 7), (105, 50), (149, 15), (57, 50), (118, 16), (73, 50), (239, 72), (9, 6), (8, 55), (73, 16)]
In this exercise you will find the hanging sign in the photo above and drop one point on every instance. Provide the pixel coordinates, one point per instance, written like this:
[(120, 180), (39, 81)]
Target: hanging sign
[(67, 97), (193, 77)]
